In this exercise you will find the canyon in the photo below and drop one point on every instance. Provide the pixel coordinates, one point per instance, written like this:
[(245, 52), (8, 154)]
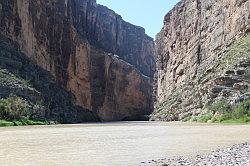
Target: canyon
[(75, 61), (105, 64), (83, 62)]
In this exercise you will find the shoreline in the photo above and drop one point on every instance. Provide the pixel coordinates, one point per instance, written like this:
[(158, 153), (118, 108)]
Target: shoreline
[(23, 122), (28, 122), (238, 154)]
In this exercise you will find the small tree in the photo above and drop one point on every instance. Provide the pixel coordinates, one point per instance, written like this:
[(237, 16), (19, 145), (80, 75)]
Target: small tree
[(13, 108)]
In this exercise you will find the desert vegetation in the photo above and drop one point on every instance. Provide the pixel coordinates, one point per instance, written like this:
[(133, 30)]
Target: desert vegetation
[(16, 111), (222, 112)]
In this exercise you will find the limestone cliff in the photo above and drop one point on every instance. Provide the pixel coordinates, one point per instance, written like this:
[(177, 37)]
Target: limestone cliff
[(104, 61), (202, 55), (46, 99)]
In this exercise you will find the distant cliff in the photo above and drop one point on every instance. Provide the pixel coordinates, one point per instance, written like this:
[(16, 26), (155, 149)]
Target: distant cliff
[(202, 56), (105, 62)]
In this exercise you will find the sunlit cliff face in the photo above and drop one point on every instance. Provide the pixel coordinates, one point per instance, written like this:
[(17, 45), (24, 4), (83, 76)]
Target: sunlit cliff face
[(195, 36)]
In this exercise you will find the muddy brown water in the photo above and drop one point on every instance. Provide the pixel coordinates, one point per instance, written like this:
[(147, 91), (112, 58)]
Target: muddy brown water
[(108, 144)]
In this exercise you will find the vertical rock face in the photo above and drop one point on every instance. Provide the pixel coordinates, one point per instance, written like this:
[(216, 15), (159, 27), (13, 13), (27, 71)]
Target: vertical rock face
[(104, 28), (118, 89), (75, 40), (47, 100), (195, 37)]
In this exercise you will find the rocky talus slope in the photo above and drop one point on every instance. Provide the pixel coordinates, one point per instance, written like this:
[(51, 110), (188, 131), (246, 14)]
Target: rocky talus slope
[(105, 62), (203, 56)]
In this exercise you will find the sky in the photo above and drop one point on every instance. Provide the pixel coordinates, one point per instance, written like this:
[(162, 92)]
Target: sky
[(148, 14)]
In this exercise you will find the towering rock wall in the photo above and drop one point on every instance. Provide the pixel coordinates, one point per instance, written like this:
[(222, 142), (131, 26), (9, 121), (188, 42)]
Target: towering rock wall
[(72, 39), (195, 38), (104, 28), (45, 98)]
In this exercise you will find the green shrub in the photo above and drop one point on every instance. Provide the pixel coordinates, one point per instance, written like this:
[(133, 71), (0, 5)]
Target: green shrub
[(204, 118), (4, 123), (221, 118), (15, 111), (221, 106), (13, 108), (239, 120), (241, 110), (38, 111), (17, 123), (21, 122), (186, 119), (31, 122), (193, 119), (237, 114)]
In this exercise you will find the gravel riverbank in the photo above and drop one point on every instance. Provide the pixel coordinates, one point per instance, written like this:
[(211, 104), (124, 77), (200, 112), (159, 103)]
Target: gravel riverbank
[(237, 155)]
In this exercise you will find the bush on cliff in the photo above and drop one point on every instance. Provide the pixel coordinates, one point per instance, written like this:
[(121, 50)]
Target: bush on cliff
[(221, 106), (203, 118), (239, 113), (13, 108), (241, 110), (16, 111), (223, 112)]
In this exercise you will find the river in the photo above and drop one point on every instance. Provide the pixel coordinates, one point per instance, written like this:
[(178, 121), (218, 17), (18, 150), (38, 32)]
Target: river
[(107, 144)]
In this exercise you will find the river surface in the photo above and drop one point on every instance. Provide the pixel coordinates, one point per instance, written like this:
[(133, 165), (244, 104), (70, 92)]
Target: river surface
[(118, 144)]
